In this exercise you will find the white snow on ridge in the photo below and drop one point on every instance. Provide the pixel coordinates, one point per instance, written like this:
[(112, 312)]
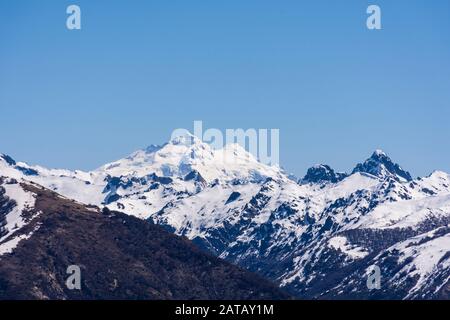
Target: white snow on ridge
[(407, 213), (8, 171), (71, 187), (438, 182), (85, 187)]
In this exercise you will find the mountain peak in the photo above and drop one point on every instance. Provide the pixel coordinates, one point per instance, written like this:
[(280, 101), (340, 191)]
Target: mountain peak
[(322, 173), (185, 139), (379, 164), (379, 153), (185, 153)]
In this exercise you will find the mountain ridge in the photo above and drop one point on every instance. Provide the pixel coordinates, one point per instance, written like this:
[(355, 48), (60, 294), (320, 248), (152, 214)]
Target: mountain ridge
[(258, 217)]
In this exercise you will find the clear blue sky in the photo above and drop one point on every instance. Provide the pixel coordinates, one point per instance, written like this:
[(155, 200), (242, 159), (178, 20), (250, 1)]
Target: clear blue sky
[(139, 69)]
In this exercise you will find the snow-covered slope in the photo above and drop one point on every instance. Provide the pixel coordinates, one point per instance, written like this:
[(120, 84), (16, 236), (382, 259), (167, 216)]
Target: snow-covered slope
[(312, 235), (16, 210)]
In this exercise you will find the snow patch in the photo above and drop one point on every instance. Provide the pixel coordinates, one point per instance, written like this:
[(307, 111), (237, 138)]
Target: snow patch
[(341, 244), (10, 245), (25, 201)]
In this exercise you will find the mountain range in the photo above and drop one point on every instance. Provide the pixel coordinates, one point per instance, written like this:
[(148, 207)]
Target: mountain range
[(316, 237)]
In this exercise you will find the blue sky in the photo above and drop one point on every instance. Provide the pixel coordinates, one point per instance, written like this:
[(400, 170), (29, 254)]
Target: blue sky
[(139, 69)]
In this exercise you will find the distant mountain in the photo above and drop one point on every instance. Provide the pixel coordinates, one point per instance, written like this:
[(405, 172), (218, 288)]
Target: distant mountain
[(120, 257), (317, 237)]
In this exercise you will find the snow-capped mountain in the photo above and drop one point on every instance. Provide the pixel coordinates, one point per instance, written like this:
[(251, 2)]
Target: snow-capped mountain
[(317, 236), (187, 153)]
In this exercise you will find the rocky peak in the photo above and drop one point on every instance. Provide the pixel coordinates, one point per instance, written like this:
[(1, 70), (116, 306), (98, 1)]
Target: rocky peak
[(380, 165), (322, 173)]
